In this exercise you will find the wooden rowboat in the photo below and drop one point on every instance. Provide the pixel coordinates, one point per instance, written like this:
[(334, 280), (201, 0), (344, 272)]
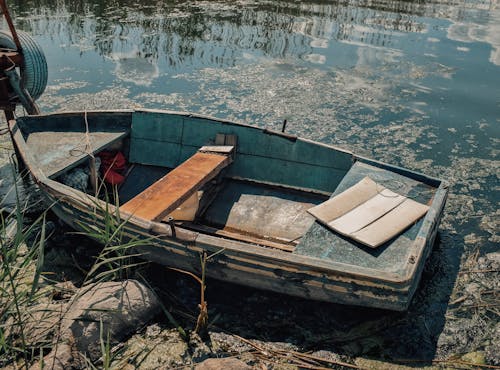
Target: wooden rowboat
[(248, 191)]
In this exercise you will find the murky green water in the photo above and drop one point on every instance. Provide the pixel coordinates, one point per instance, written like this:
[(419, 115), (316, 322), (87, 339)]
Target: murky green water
[(414, 83)]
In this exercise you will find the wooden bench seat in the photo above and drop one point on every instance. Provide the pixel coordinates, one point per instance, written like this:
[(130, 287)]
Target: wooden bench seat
[(173, 189)]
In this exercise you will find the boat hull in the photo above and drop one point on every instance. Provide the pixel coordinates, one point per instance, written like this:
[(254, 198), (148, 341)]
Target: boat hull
[(272, 273), (246, 263)]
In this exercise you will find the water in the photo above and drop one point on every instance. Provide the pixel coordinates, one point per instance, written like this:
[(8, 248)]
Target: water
[(413, 83)]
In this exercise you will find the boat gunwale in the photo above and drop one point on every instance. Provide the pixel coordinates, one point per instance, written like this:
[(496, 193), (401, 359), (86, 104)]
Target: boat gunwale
[(404, 279)]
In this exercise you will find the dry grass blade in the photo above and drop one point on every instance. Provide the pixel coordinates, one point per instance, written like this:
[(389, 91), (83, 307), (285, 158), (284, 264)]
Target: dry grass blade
[(485, 271), (186, 273), (298, 357)]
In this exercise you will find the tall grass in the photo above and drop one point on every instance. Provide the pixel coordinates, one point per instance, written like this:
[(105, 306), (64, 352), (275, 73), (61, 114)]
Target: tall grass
[(117, 259), (21, 259)]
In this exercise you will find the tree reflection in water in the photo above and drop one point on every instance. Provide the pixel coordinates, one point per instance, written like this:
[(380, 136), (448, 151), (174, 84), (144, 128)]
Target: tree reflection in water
[(218, 34)]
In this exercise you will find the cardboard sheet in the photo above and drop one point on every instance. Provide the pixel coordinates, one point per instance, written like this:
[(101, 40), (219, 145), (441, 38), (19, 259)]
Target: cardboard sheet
[(369, 213)]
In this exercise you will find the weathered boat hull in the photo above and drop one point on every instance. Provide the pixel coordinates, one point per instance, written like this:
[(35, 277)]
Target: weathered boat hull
[(250, 264)]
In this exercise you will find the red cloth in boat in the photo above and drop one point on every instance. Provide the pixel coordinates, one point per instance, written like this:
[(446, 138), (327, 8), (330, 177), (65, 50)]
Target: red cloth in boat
[(112, 166)]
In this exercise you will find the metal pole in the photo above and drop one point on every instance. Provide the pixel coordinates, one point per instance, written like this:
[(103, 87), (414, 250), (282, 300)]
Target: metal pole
[(22, 94), (9, 116), (283, 128), (12, 29)]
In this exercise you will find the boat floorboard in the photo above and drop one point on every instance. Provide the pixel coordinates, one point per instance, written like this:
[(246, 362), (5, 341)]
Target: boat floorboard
[(248, 211), (262, 210)]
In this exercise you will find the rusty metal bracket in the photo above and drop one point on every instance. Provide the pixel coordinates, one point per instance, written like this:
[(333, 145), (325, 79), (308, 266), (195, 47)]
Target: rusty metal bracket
[(170, 221), (22, 93)]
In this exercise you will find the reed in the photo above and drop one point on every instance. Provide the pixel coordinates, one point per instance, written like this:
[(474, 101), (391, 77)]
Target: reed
[(21, 259)]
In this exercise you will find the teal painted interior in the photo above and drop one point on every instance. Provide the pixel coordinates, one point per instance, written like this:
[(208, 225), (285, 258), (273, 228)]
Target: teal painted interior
[(163, 139)]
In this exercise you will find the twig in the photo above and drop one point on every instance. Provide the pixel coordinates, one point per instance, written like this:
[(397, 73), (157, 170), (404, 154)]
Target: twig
[(458, 300), (306, 365), (300, 355), (481, 305), (251, 344), (187, 273), (478, 271), (319, 359)]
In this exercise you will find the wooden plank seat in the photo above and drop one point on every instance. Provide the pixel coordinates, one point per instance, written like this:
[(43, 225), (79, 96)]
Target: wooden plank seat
[(173, 189)]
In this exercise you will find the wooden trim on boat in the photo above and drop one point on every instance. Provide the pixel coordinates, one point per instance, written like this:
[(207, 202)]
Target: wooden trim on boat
[(240, 237), (281, 186)]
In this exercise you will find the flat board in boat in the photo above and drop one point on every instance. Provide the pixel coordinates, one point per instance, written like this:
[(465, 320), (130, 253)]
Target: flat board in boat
[(57, 152), (392, 223), (366, 213), (168, 193), (363, 205), (346, 201)]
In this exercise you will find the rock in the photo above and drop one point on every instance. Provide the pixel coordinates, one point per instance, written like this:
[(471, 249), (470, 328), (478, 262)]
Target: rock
[(122, 307), (152, 331), (119, 308), (494, 258), (327, 355), (367, 363), (59, 359), (493, 349), (473, 289), (42, 322), (199, 349), (63, 290), (228, 363)]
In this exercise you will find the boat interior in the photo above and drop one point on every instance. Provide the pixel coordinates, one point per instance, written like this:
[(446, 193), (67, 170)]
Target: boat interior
[(238, 182)]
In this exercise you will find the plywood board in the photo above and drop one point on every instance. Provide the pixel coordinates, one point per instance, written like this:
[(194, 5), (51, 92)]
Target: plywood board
[(222, 149), (57, 152), (367, 212), (346, 201), (392, 223)]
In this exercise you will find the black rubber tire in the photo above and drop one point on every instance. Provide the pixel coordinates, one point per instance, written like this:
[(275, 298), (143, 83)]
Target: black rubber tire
[(34, 72)]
